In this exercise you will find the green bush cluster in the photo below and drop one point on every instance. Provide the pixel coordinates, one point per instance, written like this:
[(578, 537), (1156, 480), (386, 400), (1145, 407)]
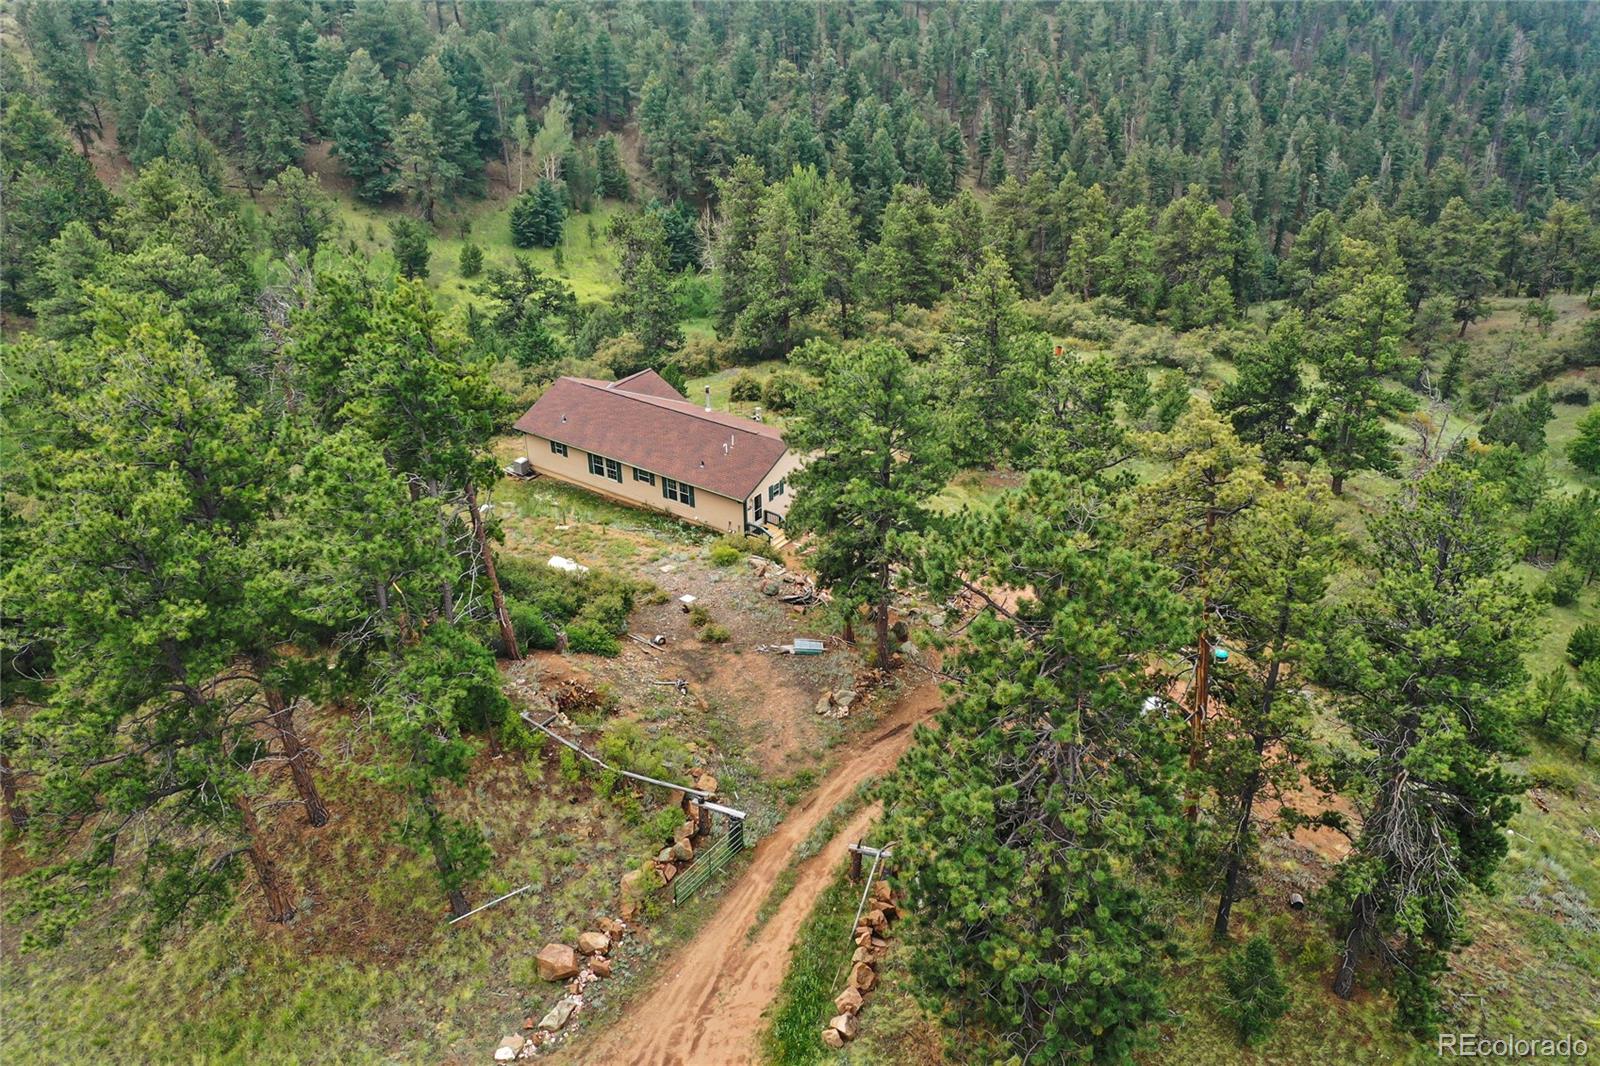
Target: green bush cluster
[(724, 554), (593, 607), (589, 638), (1584, 644), (1254, 996), (1562, 585), (783, 390), (746, 388)]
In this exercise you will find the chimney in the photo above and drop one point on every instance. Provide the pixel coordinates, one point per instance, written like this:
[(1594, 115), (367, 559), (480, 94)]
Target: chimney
[(708, 397)]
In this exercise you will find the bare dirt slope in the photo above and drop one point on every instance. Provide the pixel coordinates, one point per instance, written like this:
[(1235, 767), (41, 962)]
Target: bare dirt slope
[(706, 1006)]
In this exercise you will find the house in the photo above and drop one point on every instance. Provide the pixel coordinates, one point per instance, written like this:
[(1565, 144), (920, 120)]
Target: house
[(640, 441)]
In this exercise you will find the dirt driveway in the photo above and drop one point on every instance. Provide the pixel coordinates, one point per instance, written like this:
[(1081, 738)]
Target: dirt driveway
[(705, 1007)]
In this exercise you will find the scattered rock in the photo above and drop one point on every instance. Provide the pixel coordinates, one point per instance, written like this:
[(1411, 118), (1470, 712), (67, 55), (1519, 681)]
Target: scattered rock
[(881, 890), (600, 967), (557, 962), (848, 1001), (831, 1038), (612, 928), (558, 1016), (845, 1025), (592, 943), (684, 831), (507, 1051), (824, 703), (634, 889), (667, 871), (664, 855), (862, 977), (529, 1022), (683, 851), (864, 954), (706, 783)]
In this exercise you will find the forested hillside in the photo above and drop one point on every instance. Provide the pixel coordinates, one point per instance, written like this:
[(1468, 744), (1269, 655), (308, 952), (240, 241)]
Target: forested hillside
[(1204, 394)]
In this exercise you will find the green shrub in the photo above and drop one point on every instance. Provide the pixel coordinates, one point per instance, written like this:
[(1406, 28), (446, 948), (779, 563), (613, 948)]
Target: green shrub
[(724, 554), (591, 638), (1555, 776), (699, 616), (471, 260), (530, 625), (747, 545), (1584, 644), (1254, 995), (569, 766), (1575, 395), (746, 388), (1562, 585), (783, 390), (715, 633)]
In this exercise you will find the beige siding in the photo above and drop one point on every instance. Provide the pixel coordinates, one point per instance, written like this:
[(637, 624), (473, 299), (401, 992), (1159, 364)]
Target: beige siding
[(788, 464), (709, 510)]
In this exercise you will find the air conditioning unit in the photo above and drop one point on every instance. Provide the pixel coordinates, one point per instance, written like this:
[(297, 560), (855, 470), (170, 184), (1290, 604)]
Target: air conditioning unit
[(521, 467)]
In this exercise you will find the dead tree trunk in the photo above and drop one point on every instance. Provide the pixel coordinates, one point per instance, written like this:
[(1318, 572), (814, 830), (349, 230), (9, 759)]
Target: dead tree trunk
[(280, 905), (280, 715), (507, 633)]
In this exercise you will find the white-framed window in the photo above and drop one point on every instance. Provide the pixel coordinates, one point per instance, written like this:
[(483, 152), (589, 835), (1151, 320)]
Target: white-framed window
[(775, 489), (558, 448), (644, 475), (678, 491)]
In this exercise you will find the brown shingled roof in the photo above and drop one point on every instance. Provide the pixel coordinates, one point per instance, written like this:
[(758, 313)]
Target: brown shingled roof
[(710, 450), (649, 383)]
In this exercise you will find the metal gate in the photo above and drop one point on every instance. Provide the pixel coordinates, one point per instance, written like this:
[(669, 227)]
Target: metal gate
[(715, 856)]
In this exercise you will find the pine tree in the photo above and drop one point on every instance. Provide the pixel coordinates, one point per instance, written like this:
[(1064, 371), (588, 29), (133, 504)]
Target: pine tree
[(1264, 401), (739, 198), (903, 267), (613, 177), (434, 97), (649, 306), (422, 174), (148, 617), (538, 218), (989, 361), (1194, 517), (875, 460), (58, 51), (357, 117), (836, 255), (1427, 650), (264, 82), (1288, 551), (1461, 261), (421, 706), (300, 215), (1358, 347), (784, 285), (1032, 822), (411, 251)]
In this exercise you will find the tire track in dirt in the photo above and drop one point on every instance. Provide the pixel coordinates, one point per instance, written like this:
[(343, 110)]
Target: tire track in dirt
[(705, 1007)]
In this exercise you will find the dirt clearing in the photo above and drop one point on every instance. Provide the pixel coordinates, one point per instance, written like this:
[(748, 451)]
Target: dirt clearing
[(706, 1006)]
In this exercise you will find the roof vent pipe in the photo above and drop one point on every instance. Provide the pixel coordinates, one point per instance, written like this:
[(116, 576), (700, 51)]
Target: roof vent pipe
[(708, 398)]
